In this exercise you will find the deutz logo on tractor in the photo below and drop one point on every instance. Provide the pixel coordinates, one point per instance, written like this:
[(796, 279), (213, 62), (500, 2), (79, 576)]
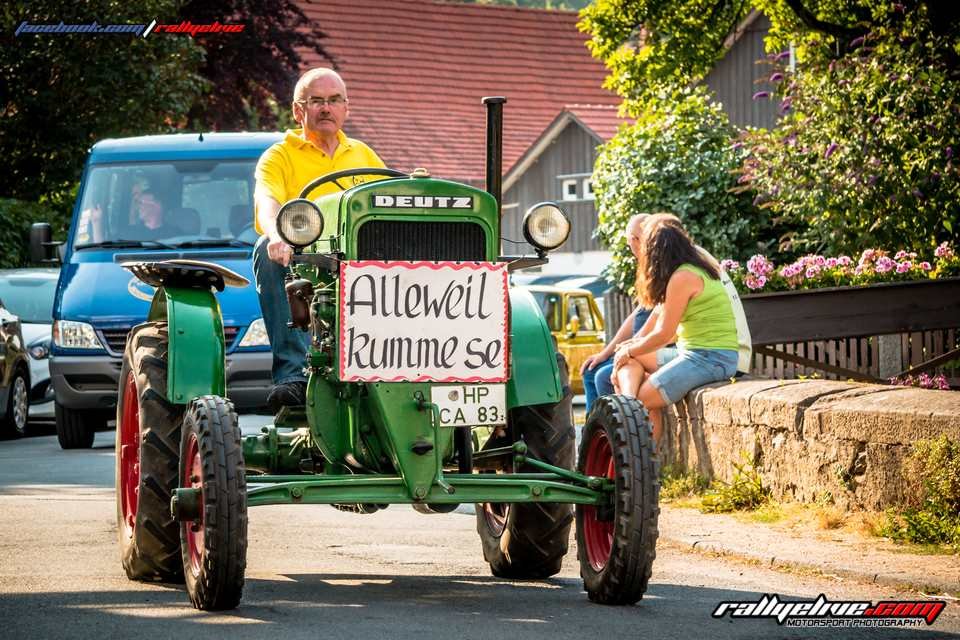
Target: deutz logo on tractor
[(423, 202)]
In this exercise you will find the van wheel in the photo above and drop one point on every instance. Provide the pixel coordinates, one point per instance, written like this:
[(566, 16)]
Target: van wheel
[(76, 427)]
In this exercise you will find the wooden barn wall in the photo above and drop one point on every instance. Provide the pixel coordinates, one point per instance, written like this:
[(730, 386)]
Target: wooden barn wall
[(573, 151), (733, 80)]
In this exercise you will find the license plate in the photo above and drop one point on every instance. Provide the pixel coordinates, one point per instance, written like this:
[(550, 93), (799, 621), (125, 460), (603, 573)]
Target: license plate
[(470, 405)]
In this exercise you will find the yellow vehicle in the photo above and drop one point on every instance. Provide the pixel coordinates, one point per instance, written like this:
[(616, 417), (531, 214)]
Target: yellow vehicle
[(575, 321)]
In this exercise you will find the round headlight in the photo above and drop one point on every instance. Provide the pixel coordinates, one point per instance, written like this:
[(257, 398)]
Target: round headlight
[(299, 222), (546, 226)]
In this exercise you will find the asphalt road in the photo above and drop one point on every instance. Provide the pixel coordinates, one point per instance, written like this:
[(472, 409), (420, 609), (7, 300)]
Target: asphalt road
[(314, 572)]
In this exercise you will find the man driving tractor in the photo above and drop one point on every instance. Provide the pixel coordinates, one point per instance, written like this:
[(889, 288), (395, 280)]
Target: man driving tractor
[(317, 148)]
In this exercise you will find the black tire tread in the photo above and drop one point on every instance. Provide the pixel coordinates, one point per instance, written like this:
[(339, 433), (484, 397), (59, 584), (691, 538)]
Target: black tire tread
[(219, 585), (624, 579), (536, 536), (75, 428), (154, 551)]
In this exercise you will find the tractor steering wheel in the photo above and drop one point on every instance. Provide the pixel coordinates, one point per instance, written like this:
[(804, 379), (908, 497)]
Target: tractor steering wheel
[(346, 173)]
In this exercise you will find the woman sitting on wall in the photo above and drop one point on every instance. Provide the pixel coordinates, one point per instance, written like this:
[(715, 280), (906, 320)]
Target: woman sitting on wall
[(689, 302)]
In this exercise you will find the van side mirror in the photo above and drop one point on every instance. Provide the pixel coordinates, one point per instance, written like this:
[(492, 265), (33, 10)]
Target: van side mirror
[(573, 326), (42, 247)]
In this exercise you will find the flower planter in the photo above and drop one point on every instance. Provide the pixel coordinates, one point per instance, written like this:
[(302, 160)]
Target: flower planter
[(846, 312)]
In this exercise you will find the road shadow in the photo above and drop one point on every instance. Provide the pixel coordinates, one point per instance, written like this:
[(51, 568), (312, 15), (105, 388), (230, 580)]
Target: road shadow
[(354, 606)]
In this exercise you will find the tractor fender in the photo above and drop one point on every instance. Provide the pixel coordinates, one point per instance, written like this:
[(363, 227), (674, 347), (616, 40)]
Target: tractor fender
[(196, 355), (534, 375)]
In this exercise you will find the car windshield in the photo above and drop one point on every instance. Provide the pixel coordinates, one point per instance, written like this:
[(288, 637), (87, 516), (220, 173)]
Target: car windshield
[(549, 303), (167, 204), (30, 298)]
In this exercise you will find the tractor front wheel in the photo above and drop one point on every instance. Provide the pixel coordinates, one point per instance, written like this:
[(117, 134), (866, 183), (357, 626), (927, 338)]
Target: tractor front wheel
[(214, 545), (147, 445), (616, 544), (529, 540)]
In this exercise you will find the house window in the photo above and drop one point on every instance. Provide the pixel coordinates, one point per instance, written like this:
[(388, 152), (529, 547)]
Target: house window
[(588, 189), (568, 189)]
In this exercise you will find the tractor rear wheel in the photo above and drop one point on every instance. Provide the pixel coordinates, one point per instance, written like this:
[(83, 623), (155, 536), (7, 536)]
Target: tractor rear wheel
[(147, 445), (617, 545), (529, 540), (215, 544)]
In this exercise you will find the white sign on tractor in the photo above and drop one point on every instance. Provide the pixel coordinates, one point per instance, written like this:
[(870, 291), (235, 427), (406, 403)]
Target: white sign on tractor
[(423, 321)]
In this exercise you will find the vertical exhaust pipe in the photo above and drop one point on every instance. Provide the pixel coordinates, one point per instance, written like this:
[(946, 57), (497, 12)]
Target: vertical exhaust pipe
[(495, 146)]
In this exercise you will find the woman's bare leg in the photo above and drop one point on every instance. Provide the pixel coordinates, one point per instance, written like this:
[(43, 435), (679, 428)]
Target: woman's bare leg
[(630, 376), (650, 396)]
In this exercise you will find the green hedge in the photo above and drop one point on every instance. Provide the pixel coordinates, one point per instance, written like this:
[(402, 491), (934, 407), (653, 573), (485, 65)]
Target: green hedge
[(16, 216)]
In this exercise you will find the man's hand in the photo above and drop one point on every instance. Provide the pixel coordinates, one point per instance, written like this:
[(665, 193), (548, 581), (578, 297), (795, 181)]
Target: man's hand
[(279, 251), (591, 362)]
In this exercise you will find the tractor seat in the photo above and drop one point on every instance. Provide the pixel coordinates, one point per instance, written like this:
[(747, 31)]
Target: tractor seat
[(191, 274)]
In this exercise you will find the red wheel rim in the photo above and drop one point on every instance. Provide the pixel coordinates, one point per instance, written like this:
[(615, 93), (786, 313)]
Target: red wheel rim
[(495, 513), (193, 478), (129, 455), (598, 534)]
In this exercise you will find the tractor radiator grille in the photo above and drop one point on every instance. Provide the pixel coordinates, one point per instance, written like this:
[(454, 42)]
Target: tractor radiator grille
[(116, 339), (415, 240)]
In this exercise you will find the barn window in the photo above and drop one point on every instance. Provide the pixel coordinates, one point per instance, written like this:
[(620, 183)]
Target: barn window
[(568, 189), (588, 189)]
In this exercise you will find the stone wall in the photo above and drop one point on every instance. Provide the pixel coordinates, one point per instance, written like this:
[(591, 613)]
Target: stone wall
[(810, 438)]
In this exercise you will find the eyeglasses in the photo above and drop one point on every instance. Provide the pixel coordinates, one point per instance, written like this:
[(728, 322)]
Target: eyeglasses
[(315, 102)]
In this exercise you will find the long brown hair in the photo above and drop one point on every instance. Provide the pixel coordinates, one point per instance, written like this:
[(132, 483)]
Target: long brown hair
[(664, 246)]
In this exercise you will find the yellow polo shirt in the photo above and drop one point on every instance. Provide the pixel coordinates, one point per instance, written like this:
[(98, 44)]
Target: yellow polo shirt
[(287, 166)]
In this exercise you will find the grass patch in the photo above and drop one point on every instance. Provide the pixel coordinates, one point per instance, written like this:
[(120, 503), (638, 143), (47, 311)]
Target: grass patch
[(678, 484), (744, 491), (935, 517)]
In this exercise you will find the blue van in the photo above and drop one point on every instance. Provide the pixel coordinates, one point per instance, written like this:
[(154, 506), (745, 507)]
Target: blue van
[(152, 198)]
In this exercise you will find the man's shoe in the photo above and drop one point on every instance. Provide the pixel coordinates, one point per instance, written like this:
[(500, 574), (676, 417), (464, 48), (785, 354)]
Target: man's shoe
[(288, 394)]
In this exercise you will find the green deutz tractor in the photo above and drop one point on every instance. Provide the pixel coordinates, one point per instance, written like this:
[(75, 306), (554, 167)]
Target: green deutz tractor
[(430, 383)]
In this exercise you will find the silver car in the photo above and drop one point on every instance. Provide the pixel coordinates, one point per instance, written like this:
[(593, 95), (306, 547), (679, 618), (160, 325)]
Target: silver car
[(28, 293)]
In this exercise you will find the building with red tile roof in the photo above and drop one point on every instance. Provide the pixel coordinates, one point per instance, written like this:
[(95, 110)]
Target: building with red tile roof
[(416, 71)]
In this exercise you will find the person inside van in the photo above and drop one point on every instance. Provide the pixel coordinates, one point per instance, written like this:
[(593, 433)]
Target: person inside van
[(152, 222)]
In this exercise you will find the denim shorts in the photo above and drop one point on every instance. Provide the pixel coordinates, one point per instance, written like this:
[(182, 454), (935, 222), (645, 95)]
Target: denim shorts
[(681, 370)]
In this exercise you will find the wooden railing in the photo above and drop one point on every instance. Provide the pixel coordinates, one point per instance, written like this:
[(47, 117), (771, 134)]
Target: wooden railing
[(871, 342)]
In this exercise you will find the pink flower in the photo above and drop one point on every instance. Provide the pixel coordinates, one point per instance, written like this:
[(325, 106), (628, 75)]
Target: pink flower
[(943, 251), (759, 265), (903, 267), (925, 266), (844, 261), (729, 265), (868, 254), (900, 255), (755, 282), (885, 264), (812, 272), (832, 263), (819, 261)]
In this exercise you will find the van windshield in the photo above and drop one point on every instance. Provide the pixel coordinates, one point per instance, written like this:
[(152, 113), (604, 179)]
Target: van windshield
[(168, 204)]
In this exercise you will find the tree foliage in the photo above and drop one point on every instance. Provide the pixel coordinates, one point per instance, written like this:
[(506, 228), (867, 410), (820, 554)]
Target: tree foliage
[(251, 74), (652, 46), (63, 92), (865, 155), (676, 158)]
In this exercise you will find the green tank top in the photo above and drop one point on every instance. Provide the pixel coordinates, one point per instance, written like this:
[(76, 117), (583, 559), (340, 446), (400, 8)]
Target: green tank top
[(708, 321)]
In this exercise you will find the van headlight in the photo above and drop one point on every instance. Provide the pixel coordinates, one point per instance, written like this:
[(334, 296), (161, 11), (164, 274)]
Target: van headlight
[(299, 222), (546, 226), (70, 334), (255, 336)]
